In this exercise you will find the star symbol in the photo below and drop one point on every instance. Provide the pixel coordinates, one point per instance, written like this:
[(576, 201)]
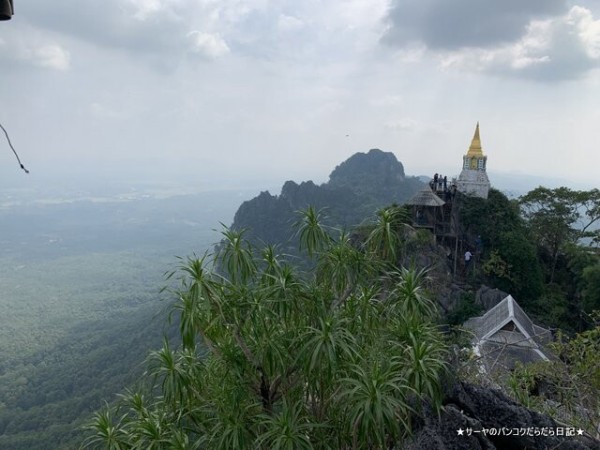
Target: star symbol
[(579, 432), (460, 432)]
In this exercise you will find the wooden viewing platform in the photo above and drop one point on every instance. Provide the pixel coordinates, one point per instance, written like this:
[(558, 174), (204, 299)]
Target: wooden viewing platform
[(434, 208)]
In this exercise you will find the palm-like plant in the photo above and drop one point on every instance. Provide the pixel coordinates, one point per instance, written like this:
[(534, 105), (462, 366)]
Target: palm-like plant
[(424, 360), (283, 291), (236, 256), (287, 429), (151, 432), (408, 296), (175, 371), (387, 236), (376, 406), (327, 348), (233, 426), (364, 314), (271, 265), (180, 440), (341, 266), (195, 303), (326, 343), (107, 432), (311, 231), (322, 360)]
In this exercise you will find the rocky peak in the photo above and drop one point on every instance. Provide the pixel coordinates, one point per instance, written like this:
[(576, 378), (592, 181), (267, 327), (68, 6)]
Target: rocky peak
[(375, 168)]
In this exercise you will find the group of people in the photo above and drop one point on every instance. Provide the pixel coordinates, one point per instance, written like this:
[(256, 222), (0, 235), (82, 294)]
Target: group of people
[(439, 183)]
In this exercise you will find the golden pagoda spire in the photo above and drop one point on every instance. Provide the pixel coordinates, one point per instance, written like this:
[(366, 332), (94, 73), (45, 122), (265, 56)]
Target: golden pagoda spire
[(475, 148)]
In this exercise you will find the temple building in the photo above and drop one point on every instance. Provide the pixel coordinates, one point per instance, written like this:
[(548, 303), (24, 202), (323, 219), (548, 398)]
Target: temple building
[(505, 335), (473, 179)]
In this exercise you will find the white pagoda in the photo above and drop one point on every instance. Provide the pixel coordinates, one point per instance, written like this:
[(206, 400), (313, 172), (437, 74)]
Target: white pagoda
[(473, 179)]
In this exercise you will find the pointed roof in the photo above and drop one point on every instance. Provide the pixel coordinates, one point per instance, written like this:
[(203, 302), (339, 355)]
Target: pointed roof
[(425, 197), (475, 148), (505, 312), (505, 335)]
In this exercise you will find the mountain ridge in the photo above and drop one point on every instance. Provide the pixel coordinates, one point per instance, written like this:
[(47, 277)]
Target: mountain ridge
[(356, 188)]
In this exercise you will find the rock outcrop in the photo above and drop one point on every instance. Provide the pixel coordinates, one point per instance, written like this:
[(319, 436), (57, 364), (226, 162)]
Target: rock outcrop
[(356, 189), (487, 297), (469, 410)]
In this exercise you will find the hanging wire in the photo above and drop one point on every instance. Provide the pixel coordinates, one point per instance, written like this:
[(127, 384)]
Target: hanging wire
[(13, 149)]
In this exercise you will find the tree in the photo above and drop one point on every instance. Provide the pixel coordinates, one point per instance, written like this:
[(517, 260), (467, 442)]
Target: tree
[(559, 217), (272, 358), (591, 288), (509, 258), (387, 235)]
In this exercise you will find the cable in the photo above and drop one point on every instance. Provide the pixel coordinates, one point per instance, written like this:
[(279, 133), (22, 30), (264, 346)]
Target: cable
[(13, 149)]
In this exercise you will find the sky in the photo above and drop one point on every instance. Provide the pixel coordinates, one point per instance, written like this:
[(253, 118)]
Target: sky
[(225, 92)]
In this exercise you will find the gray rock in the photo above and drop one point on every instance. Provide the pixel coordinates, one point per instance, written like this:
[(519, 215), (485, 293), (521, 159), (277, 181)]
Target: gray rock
[(449, 297), (488, 297), (477, 408)]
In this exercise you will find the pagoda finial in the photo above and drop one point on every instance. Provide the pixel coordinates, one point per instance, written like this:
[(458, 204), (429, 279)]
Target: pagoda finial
[(475, 148)]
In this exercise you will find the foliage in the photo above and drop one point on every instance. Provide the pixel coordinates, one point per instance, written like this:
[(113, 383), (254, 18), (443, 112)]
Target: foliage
[(541, 249), (590, 280), (388, 233), (553, 310), (272, 358), (561, 216), (496, 267), (548, 236), (567, 387), (564, 225), (509, 257), (313, 236), (465, 309)]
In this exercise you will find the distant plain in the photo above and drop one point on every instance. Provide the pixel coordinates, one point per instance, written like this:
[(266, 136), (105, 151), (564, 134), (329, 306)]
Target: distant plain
[(80, 301)]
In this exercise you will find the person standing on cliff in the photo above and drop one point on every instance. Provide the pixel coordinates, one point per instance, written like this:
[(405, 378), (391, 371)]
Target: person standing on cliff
[(468, 259)]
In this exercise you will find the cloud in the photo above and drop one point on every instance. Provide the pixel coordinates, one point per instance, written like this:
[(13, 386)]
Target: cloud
[(103, 111), (167, 30), (388, 100), (560, 48), (286, 23), (138, 26), (588, 30), (206, 45), (537, 39), (31, 48), (52, 56), (450, 25), (417, 127), (404, 124), (146, 8)]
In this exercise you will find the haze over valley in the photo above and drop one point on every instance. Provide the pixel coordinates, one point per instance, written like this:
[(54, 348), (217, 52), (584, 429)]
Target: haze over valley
[(80, 281)]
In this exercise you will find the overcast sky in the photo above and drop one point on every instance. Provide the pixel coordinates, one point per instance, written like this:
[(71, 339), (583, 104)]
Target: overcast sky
[(227, 90)]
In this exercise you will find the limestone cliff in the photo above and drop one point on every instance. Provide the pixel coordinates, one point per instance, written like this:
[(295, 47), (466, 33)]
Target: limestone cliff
[(355, 190)]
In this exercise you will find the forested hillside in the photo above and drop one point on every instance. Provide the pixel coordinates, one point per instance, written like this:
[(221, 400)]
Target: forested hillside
[(81, 305)]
